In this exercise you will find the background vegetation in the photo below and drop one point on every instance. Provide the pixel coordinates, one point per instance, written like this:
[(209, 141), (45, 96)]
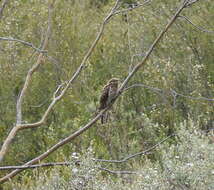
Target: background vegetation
[(174, 94)]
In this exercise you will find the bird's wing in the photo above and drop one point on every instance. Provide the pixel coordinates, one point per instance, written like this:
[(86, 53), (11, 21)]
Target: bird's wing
[(104, 97)]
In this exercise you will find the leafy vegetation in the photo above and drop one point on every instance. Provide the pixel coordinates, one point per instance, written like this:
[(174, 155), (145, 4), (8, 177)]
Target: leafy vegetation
[(173, 93)]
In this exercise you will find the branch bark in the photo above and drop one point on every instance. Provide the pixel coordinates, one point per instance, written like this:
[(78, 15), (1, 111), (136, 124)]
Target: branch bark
[(131, 74)]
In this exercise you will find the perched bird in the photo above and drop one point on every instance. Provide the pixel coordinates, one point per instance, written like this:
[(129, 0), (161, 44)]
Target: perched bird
[(108, 93)]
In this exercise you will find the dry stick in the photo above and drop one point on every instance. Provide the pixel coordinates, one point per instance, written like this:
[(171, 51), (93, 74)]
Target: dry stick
[(2, 8), (62, 164), (24, 43), (19, 125), (28, 79), (36, 165), (87, 126), (136, 154), (197, 27), (117, 172), (172, 92)]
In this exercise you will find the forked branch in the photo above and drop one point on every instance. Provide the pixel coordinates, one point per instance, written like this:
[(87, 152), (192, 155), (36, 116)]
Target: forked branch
[(28, 79)]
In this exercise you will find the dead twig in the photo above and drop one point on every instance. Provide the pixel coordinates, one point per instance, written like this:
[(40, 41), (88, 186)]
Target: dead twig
[(51, 164), (195, 26), (24, 43), (4, 3), (136, 154)]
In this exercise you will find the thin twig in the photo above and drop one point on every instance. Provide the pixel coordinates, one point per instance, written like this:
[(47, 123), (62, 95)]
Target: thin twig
[(24, 43), (136, 154), (172, 92), (154, 44), (62, 164), (131, 8), (4, 3), (117, 172), (36, 166), (190, 97), (190, 2), (197, 27)]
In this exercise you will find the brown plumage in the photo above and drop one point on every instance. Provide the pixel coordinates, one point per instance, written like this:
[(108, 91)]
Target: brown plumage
[(108, 93)]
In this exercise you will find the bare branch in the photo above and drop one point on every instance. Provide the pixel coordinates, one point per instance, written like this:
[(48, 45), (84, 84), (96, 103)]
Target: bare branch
[(172, 92), (36, 166), (17, 127), (62, 164), (154, 44), (4, 3), (190, 2), (55, 147), (197, 27), (117, 172), (131, 8), (33, 69), (23, 42), (136, 154), (190, 97)]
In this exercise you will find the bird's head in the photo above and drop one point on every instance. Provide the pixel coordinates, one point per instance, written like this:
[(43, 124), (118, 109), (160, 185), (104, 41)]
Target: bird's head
[(114, 81)]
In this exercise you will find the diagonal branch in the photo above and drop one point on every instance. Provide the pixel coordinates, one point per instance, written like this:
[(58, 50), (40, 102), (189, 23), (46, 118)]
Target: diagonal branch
[(75, 75), (154, 44), (32, 70), (54, 148), (91, 123)]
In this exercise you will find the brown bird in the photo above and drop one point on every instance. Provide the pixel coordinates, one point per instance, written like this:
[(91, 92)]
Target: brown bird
[(108, 93)]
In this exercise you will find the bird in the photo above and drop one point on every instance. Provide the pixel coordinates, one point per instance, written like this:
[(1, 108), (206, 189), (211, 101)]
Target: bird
[(108, 94)]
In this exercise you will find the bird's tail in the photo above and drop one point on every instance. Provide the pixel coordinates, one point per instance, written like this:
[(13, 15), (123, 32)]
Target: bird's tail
[(104, 118)]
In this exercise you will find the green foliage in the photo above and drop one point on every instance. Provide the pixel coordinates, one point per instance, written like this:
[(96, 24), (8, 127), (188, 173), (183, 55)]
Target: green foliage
[(142, 116), (188, 163)]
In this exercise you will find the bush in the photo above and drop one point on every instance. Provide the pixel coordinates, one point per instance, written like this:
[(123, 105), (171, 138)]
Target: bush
[(185, 164)]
